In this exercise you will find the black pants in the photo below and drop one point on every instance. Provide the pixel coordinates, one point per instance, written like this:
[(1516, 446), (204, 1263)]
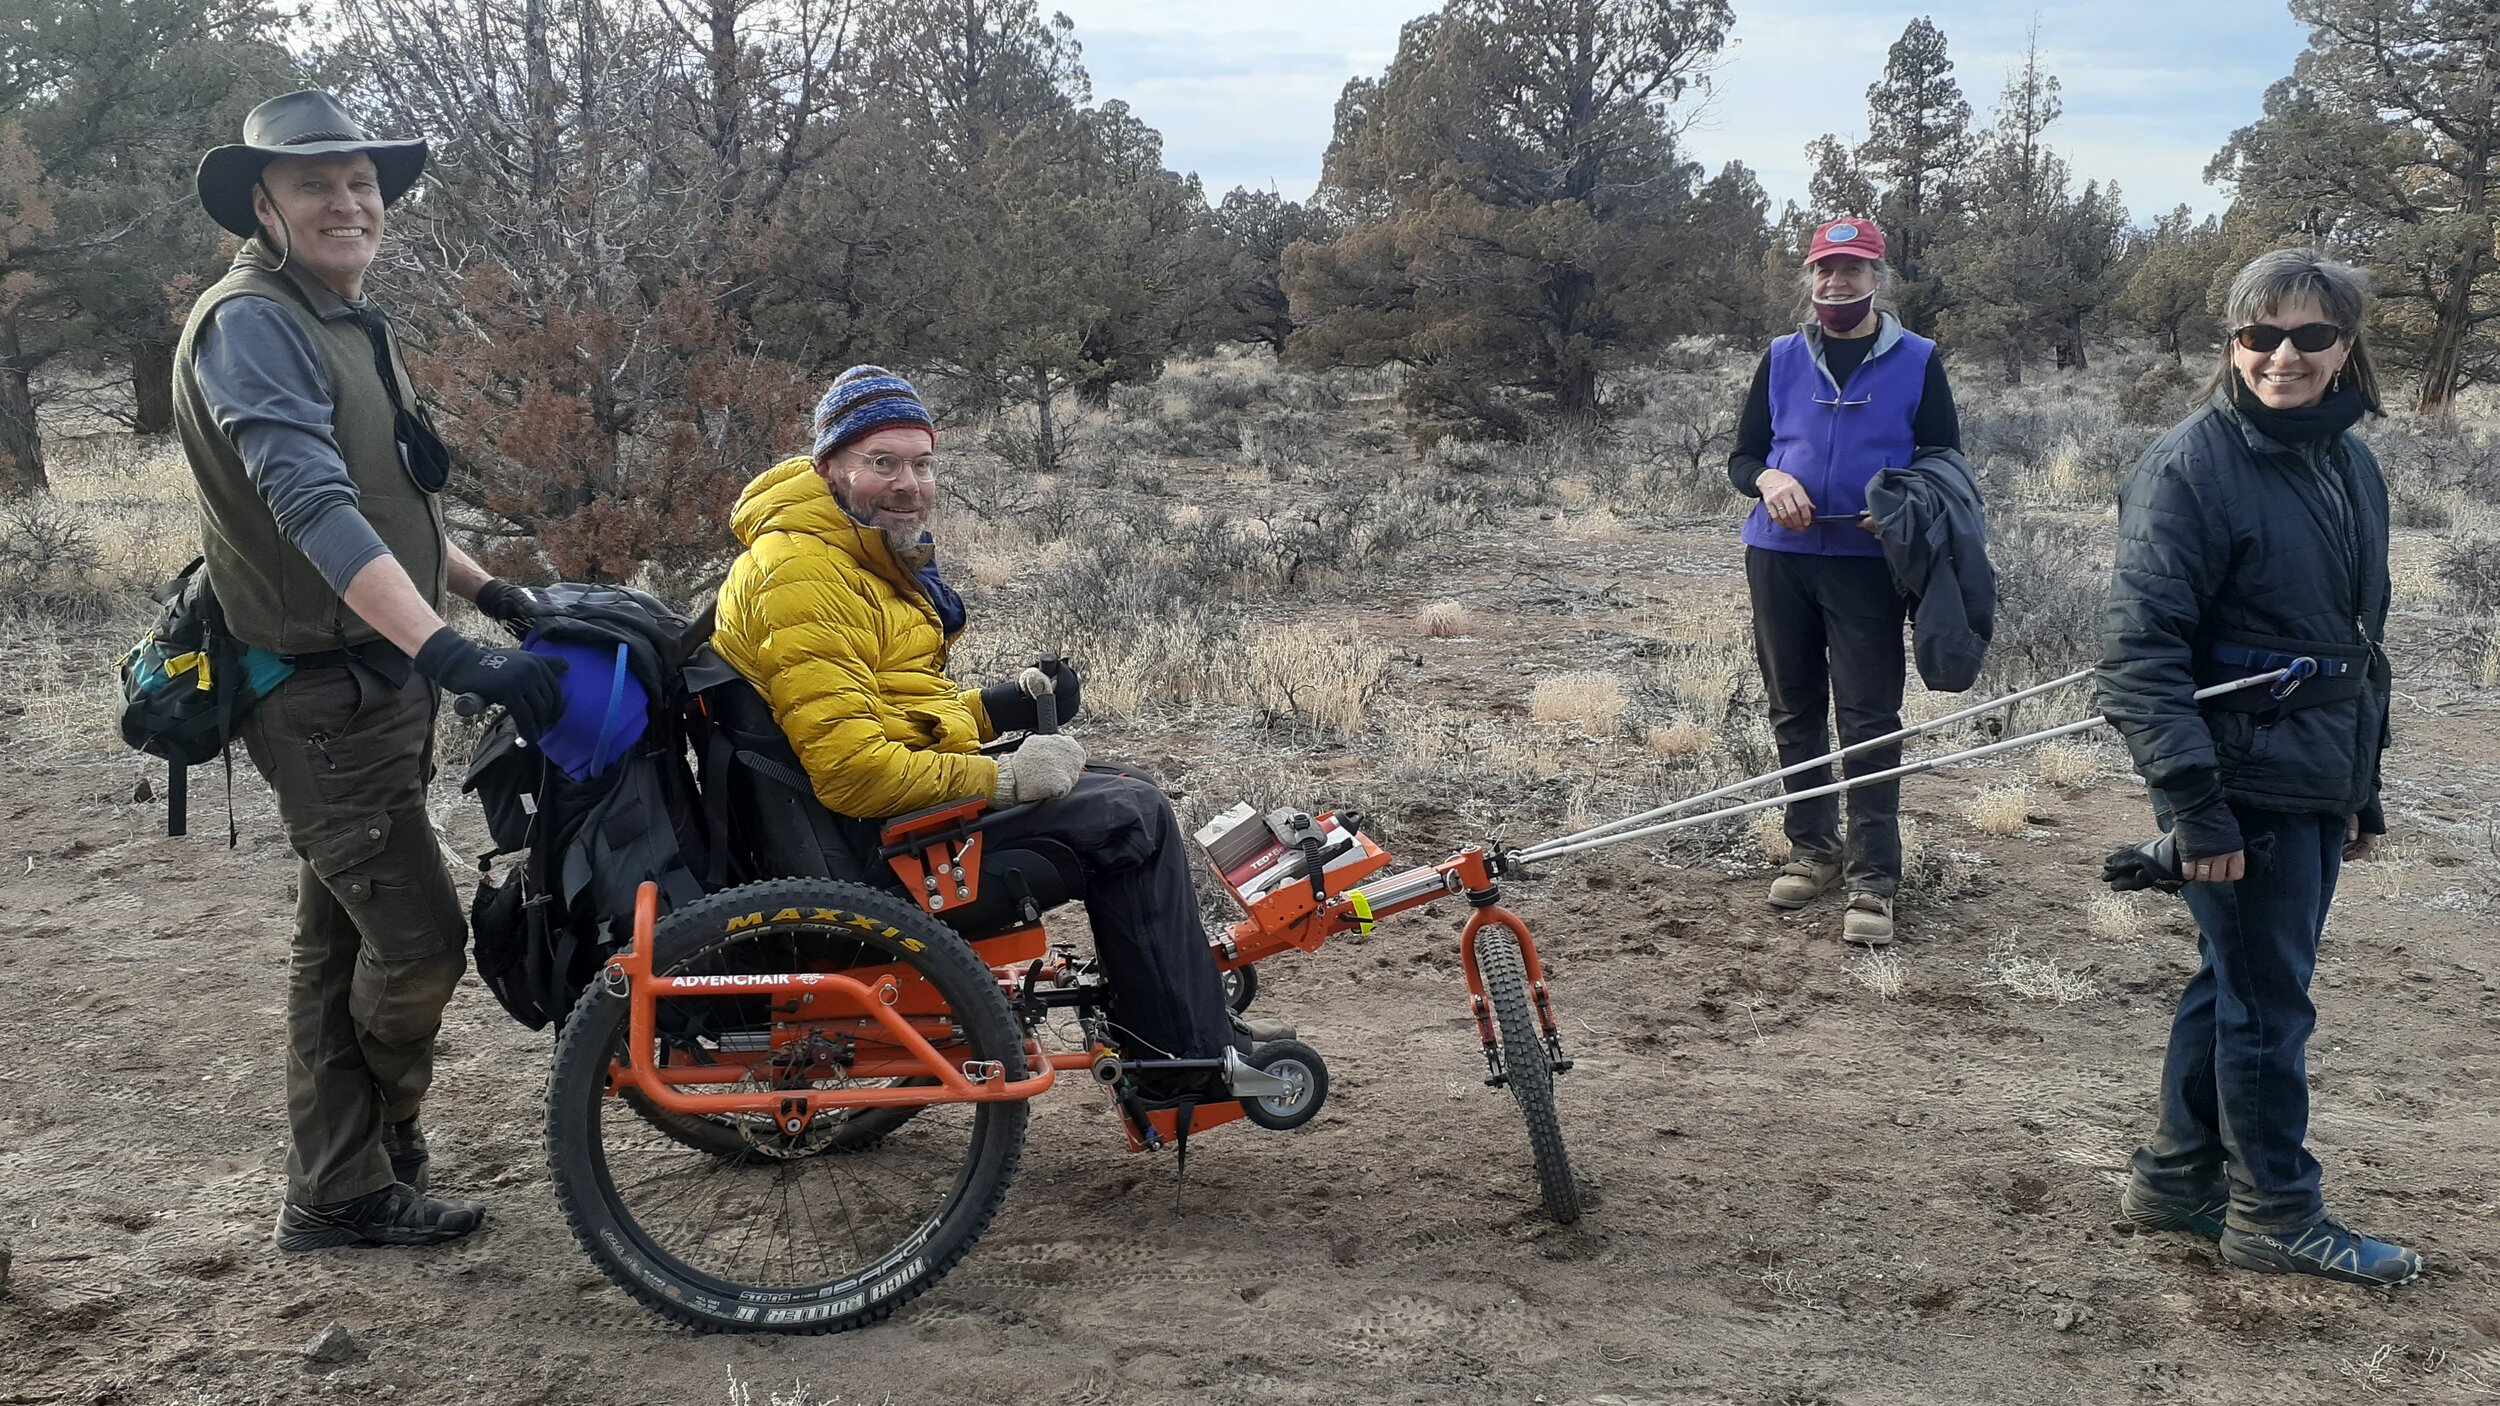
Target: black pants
[(2235, 1084), (1827, 632), (1166, 995)]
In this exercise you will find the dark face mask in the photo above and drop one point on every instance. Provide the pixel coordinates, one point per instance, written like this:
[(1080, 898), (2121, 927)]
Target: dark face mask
[(1840, 317)]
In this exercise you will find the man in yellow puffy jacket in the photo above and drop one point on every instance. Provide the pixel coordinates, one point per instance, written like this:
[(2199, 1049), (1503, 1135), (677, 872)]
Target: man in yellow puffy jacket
[(837, 614)]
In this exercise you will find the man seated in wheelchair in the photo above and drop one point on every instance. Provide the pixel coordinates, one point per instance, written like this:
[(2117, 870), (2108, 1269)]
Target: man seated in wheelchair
[(836, 612)]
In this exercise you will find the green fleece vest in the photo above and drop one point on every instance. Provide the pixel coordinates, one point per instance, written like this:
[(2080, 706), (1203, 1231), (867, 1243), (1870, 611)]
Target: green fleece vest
[(272, 595)]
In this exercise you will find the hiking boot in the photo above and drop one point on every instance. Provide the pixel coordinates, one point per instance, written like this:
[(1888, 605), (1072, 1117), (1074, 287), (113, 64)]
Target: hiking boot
[(404, 1142), (1868, 922), (2155, 1214), (2330, 1249), (1250, 1031), (395, 1215), (1801, 883)]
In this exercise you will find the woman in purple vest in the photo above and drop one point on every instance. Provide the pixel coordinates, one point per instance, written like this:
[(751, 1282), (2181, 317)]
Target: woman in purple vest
[(1850, 394)]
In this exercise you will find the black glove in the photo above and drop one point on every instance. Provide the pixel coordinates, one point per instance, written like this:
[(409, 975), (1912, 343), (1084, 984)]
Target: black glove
[(500, 600), (2155, 864), (521, 683), (2200, 819), (1011, 708)]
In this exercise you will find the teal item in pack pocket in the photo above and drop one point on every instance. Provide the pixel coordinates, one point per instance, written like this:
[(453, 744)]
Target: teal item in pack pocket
[(187, 684)]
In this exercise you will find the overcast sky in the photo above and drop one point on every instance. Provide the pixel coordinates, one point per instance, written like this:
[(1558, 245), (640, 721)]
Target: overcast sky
[(1243, 90)]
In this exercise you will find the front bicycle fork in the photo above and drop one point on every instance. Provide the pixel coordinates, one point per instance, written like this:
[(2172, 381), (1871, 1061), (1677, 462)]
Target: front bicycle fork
[(1492, 914)]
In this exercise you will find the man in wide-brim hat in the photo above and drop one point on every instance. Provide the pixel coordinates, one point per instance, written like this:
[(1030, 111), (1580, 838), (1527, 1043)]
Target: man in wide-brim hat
[(317, 471)]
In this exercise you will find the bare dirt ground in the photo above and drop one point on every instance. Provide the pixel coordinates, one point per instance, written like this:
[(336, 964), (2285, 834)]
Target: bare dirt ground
[(1816, 1178)]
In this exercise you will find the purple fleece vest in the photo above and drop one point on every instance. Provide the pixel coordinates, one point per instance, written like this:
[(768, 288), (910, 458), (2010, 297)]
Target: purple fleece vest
[(1835, 442)]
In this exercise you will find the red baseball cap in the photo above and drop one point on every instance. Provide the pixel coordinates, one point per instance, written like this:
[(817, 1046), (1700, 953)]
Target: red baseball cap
[(1847, 236)]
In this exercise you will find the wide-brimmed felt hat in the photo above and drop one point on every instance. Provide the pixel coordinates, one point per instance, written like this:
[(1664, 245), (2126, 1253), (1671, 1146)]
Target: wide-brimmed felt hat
[(305, 123)]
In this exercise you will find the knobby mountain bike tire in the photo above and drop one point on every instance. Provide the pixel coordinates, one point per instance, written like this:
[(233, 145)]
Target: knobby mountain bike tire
[(774, 1239), (1526, 1068)]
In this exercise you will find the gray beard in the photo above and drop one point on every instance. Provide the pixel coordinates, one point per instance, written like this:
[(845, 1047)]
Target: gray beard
[(906, 546)]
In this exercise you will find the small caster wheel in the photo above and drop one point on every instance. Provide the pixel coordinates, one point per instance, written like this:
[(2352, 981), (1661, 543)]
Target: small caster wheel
[(1241, 987), (1298, 1065)]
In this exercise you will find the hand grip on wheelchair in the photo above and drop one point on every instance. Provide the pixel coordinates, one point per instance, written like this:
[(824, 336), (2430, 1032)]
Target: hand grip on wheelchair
[(467, 705), (1044, 691)]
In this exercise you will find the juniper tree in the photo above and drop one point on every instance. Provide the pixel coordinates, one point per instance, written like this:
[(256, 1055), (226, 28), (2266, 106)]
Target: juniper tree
[(1917, 148), (1513, 187), (2384, 145), (111, 103)]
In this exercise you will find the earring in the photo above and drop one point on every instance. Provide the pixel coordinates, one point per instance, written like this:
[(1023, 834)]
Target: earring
[(2335, 382)]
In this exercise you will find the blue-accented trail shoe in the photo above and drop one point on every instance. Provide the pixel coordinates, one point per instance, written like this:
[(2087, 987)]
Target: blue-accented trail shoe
[(2330, 1249), (395, 1215), (2161, 1215)]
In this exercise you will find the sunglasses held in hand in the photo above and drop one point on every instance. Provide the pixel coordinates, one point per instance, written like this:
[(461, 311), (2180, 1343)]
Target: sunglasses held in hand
[(2263, 338)]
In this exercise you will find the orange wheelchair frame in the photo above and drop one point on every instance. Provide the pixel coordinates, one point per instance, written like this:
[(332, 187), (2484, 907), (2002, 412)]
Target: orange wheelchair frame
[(937, 855)]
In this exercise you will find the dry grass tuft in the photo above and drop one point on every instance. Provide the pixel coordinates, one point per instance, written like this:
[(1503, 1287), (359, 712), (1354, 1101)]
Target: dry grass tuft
[(1706, 679), (1325, 678), (1591, 698), (1598, 524), (2038, 978), (1878, 970), (2066, 764), (1770, 832), (2000, 810), (1574, 493), (1445, 620), (2114, 917), (1680, 740)]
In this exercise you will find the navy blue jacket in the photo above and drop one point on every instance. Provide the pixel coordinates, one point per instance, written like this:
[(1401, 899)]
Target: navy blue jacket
[(2229, 544)]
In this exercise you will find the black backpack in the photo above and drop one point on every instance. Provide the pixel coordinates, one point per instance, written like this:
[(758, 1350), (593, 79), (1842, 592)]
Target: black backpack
[(542, 931)]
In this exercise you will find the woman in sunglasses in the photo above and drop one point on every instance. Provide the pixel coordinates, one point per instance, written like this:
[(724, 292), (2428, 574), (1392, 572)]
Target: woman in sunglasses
[(1850, 394), (2251, 536)]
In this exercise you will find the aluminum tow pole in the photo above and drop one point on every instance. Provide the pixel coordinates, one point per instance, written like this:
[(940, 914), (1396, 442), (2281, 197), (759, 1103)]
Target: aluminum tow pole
[(1574, 844)]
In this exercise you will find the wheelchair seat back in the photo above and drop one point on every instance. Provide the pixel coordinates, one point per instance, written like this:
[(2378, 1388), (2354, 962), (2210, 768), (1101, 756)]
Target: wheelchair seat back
[(774, 827)]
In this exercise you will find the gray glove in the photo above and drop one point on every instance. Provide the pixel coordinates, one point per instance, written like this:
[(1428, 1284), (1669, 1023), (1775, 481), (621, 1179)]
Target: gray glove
[(1040, 769)]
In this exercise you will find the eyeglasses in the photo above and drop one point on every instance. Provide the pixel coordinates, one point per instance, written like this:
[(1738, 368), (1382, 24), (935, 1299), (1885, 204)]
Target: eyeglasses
[(890, 467), (2263, 338)]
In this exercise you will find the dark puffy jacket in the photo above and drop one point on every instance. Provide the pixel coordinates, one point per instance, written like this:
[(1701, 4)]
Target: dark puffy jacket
[(2230, 541)]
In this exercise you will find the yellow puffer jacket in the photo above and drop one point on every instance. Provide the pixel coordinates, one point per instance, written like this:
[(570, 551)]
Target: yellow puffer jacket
[(838, 637)]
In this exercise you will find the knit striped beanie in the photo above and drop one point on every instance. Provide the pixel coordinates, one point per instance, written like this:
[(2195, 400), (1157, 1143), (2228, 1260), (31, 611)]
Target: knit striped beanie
[(862, 400)]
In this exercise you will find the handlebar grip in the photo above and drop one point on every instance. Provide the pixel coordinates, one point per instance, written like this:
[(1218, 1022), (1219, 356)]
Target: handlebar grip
[(468, 705), (1039, 687)]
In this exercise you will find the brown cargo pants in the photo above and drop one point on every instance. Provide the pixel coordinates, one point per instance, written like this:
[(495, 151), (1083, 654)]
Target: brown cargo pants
[(380, 938)]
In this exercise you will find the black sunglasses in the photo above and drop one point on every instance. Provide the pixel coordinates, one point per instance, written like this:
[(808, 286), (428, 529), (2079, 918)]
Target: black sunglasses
[(2263, 338)]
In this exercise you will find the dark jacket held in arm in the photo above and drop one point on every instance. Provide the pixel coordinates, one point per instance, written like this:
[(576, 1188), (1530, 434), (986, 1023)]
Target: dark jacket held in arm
[(1936, 542), (2234, 549)]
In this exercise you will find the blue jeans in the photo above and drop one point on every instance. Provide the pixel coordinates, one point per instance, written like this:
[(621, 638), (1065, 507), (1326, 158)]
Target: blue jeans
[(2235, 1085)]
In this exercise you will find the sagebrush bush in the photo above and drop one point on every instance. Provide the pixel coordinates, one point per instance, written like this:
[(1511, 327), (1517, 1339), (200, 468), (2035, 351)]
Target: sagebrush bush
[(48, 555), (2470, 569), (2161, 396)]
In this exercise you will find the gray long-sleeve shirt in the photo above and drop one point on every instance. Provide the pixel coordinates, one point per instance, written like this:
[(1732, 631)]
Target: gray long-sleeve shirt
[(265, 385)]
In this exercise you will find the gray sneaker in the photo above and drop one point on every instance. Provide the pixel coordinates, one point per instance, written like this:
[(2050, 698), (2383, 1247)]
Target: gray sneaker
[(1802, 882)]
